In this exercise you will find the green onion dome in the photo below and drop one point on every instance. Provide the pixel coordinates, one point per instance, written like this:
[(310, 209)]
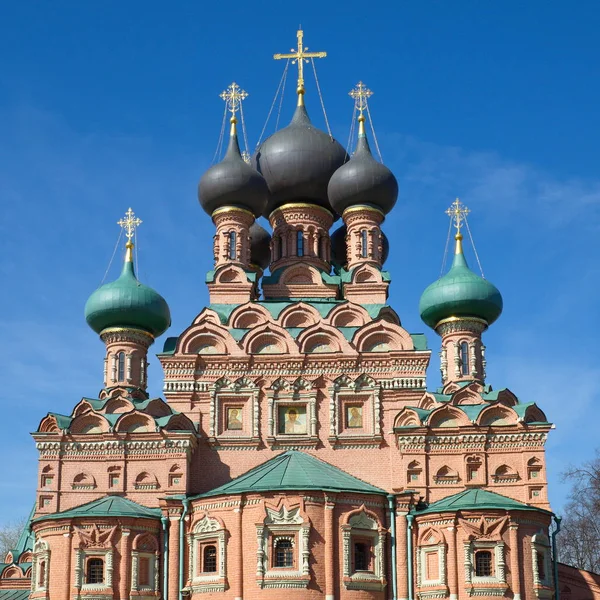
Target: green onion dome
[(363, 180), (127, 303), (233, 182), (460, 293)]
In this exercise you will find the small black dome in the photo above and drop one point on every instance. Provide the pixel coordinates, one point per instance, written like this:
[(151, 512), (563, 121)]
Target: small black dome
[(260, 246), (233, 182), (339, 257), (297, 163), (363, 180)]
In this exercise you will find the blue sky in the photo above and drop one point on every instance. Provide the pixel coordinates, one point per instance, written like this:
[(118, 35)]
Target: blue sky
[(108, 104)]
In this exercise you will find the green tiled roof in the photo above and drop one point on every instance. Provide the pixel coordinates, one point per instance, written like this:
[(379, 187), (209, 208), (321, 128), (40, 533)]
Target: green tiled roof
[(108, 506), (14, 594), (294, 470), (476, 499)]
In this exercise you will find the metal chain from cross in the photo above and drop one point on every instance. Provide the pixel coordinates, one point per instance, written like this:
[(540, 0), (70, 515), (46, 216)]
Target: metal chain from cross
[(130, 223), (458, 213), (299, 56), (234, 95), (360, 94)]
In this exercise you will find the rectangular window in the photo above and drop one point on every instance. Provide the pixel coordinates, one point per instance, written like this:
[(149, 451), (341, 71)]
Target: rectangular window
[(114, 481), (209, 558), (535, 493), (45, 501), (432, 566), (94, 571), (47, 481), (414, 477), (144, 571), (283, 553), (483, 563)]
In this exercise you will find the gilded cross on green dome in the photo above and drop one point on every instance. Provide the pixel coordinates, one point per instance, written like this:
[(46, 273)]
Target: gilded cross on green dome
[(130, 223), (458, 213)]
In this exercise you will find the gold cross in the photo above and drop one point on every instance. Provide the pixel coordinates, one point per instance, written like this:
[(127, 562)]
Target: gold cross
[(458, 213), (300, 55), (361, 93), (129, 224), (234, 95)]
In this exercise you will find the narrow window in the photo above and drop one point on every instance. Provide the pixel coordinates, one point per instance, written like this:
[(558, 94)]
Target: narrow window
[(42, 574), (362, 556), (541, 565), (209, 559), (284, 553), (232, 242), (95, 571), (143, 369), (299, 243), (464, 358), (121, 363), (363, 243), (144, 571), (483, 563)]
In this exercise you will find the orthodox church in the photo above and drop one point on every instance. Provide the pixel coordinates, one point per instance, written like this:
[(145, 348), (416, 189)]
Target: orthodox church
[(298, 451)]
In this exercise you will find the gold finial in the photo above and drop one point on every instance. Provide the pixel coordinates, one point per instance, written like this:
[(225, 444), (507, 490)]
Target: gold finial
[(234, 95), (299, 56), (130, 223), (361, 94), (458, 213)]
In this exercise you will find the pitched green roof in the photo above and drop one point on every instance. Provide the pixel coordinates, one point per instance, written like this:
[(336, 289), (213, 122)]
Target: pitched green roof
[(108, 506), (476, 499), (294, 470), (14, 594)]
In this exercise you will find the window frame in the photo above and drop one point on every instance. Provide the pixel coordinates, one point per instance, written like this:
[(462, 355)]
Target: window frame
[(88, 561)]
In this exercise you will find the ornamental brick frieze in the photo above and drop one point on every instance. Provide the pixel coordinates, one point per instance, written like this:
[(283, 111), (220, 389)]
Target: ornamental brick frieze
[(464, 325), (300, 215), (115, 447), (114, 336)]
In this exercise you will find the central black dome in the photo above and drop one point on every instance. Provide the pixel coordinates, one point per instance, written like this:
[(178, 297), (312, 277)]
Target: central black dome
[(297, 163)]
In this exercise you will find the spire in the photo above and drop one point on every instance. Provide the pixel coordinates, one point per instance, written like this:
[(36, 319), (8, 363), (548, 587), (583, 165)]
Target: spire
[(299, 56)]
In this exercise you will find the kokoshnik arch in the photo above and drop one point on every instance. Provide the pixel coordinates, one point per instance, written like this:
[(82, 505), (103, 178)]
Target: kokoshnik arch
[(298, 451)]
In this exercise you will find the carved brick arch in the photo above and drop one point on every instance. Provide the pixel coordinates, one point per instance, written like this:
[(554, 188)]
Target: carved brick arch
[(446, 474), (9, 558), (507, 398), (534, 414), (146, 481), (505, 474), (387, 313), (381, 336), (407, 417), (497, 415), (447, 416), (428, 402), (145, 542), (49, 424), (13, 572), (206, 522), (83, 481), (467, 396), (366, 274), (249, 315), (360, 518), (230, 274), (348, 315), (299, 314), (90, 423), (135, 422), (26, 557), (430, 536), (179, 422), (300, 274), (82, 408), (207, 315), (269, 339), (207, 338), (118, 405), (321, 338), (157, 408)]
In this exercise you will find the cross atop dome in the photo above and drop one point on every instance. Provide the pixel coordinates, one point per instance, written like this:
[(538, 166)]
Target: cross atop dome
[(234, 95), (360, 94), (458, 213), (299, 56), (130, 223)]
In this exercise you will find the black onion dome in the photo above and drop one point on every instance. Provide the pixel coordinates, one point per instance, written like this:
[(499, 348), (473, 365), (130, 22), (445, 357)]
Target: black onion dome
[(260, 246), (297, 163), (338, 247), (363, 180), (233, 182)]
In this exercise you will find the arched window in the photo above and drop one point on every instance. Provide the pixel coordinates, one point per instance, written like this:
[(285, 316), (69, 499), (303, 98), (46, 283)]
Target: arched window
[(299, 243), (95, 571), (209, 559), (483, 563), (143, 369), (464, 358), (363, 243), (362, 556), (232, 243), (121, 366), (284, 553)]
